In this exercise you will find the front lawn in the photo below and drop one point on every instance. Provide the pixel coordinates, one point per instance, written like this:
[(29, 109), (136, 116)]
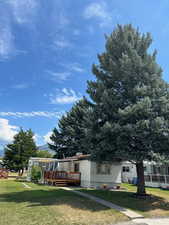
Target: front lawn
[(43, 205), (157, 206)]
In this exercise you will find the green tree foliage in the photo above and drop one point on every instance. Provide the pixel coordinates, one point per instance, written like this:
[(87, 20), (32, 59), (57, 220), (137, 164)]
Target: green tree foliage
[(69, 138), (18, 153), (43, 154), (130, 117), (36, 173)]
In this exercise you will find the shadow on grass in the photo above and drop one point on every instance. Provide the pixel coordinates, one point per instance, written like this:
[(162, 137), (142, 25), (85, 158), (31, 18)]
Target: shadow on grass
[(46, 196), (49, 197), (127, 200)]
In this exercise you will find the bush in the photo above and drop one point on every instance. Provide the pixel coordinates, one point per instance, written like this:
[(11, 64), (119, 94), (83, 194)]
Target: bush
[(36, 173)]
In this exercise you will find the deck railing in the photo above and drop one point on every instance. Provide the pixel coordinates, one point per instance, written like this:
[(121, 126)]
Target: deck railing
[(153, 178), (52, 176)]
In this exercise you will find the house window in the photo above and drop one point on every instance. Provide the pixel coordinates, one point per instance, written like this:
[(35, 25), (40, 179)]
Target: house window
[(103, 168), (156, 169), (126, 169), (76, 167)]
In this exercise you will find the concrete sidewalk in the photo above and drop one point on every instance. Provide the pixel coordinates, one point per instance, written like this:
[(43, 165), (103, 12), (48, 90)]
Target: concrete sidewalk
[(129, 213), (155, 221), (136, 219), (130, 223)]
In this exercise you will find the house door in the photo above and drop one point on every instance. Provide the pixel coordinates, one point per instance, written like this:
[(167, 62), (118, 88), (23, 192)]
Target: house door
[(76, 167)]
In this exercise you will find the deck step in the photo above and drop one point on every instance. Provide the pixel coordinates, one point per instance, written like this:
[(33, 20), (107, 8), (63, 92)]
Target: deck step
[(60, 183)]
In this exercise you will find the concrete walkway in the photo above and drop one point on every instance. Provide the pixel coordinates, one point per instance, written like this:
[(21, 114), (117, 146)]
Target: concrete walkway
[(129, 213), (155, 221), (26, 186), (136, 219), (159, 221)]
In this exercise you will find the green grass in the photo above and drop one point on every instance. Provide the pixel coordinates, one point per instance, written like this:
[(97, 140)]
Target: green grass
[(44, 205), (156, 206)]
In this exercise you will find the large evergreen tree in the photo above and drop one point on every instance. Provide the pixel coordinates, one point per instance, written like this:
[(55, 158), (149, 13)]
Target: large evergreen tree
[(69, 138), (130, 117), (19, 151)]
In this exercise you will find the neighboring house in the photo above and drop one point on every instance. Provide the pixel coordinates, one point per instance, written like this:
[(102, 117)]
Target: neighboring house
[(92, 174), (128, 173), (156, 174)]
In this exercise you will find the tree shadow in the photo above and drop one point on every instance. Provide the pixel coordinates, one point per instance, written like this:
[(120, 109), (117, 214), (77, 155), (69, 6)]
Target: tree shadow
[(41, 197), (128, 200)]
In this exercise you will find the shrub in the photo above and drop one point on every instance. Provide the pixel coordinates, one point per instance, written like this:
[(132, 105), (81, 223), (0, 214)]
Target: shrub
[(36, 173)]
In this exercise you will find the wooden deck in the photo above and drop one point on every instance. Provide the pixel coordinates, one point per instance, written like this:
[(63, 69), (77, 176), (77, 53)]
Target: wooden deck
[(62, 178)]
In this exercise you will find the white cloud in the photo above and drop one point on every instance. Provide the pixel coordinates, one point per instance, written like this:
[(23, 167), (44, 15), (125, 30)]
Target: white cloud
[(100, 11), (63, 76), (61, 43), (76, 67), (47, 137), (20, 86), (62, 20), (65, 96), (33, 114), (73, 67), (23, 10), (37, 138), (55, 76), (7, 131), (6, 42), (20, 11)]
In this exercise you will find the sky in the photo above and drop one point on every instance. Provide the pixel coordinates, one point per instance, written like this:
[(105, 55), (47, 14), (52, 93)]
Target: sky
[(47, 49)]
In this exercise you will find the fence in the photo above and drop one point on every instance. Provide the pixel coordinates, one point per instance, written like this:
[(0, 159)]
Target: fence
[(56, 177)]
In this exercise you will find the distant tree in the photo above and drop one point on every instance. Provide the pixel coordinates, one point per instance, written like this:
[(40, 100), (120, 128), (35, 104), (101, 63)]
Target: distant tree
[(1, 163), (17, 153), (130, 117), (43, 154), (69, 138)]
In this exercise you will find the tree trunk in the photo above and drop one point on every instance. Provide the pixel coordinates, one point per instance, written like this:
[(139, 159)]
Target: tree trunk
[(140, 178), (20, 172)]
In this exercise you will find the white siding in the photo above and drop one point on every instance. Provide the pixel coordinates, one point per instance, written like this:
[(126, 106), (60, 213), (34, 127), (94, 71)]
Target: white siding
[(127, 177), (110, 180), (85, 170), (66, 166)]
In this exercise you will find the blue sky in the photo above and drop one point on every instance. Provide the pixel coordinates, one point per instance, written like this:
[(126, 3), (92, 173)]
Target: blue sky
[(47, 49)]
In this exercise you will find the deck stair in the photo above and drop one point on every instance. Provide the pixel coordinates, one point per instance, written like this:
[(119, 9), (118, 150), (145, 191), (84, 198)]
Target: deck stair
[(60, 182)]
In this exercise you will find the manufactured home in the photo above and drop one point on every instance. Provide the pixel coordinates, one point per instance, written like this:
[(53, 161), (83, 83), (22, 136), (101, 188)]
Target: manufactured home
[(155, 174), (93, 174), (80, 170)]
